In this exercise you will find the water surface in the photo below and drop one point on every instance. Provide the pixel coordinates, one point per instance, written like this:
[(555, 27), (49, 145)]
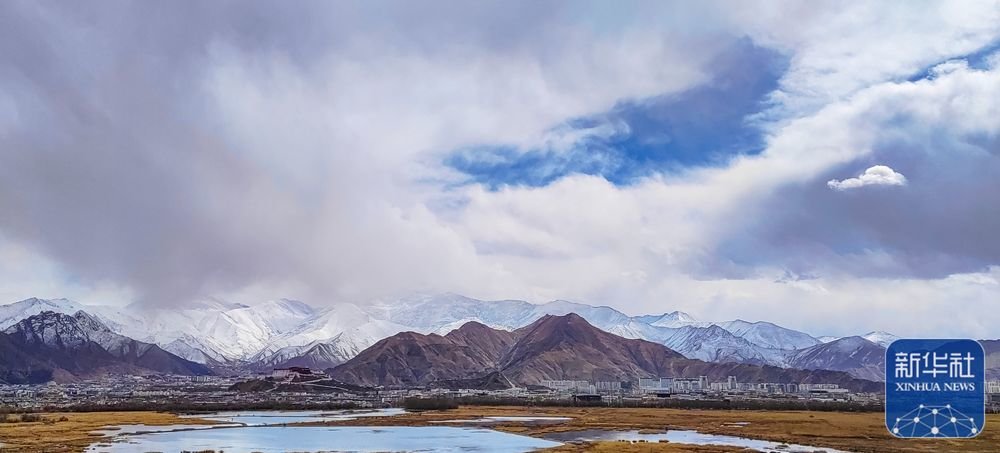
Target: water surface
[(264, 418), (280, 439), (528, 420), (685, 437)]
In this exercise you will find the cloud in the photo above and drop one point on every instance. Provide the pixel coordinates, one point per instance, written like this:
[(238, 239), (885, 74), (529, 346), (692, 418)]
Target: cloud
[(878, 175), (259, 151), (207, 148)]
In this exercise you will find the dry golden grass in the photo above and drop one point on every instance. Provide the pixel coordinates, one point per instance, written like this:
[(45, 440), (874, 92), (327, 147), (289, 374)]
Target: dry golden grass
[(73, 433)]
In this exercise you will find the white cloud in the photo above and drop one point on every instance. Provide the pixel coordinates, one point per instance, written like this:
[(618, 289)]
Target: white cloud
[(878, 175), (318, 168)]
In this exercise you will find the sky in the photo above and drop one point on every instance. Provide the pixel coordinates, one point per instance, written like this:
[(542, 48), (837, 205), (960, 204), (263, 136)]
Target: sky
[(832, 167)]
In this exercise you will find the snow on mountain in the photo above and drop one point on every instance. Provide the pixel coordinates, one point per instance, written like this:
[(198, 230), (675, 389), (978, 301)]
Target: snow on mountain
[(677, 330), (214, 331), (827, 339), (883, 339), (715, 344), (344, 328), (57, 329), (13, 313), (185, 350), (604, 318), (319, 357), (452, 326), (58, 340), (434, 313), (673, 319), (769, 335), (855, 355), (428, 313), (222, 331)]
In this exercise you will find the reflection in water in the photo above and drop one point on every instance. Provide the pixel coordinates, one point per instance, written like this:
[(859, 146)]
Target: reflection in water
[(274, 439), (263, 418), (140, 428), (684, 437), (251, 418), (527, 420)]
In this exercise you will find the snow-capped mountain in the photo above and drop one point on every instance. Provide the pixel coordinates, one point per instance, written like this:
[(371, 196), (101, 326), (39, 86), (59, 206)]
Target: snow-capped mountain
[(855, 355), (345, 329), (732, 341), (13, 313), (883, 339), (52, 344), (672, 319), (769, 335), (217, 332)]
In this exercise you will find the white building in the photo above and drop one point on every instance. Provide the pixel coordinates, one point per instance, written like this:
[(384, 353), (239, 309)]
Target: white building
[(656, 385), (608, 386), (687, 385), (562, 385)]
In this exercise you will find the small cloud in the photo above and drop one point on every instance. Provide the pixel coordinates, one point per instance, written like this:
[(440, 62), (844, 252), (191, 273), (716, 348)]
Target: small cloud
[(879, 175), (949, 67)]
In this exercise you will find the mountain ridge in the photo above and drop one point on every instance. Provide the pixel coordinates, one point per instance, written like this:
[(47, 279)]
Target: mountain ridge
[(553, 347), (51, 345), (283, 331)]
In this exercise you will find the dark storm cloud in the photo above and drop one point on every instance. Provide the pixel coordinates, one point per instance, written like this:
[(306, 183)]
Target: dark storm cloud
[(118, 162), (108, 165), (945, 220), (110, 160)]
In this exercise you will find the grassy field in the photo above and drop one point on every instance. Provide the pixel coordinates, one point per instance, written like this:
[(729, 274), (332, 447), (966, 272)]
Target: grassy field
[(70, 432), (858, 432)]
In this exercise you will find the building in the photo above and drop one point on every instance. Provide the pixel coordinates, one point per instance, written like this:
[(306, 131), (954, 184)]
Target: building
[(608, 386), (659, 385), (562, 385), (810, 387), (993, 387), (732, 384), (688, 385), (291, 372), (649, 383)]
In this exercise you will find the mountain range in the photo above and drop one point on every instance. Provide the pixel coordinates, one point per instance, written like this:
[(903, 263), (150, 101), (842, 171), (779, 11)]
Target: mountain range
[(286, 332), (552, 347), (55, 346)]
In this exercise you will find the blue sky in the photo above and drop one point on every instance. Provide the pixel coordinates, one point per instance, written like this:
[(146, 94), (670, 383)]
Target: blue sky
[(704, 126), (747, 160)]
